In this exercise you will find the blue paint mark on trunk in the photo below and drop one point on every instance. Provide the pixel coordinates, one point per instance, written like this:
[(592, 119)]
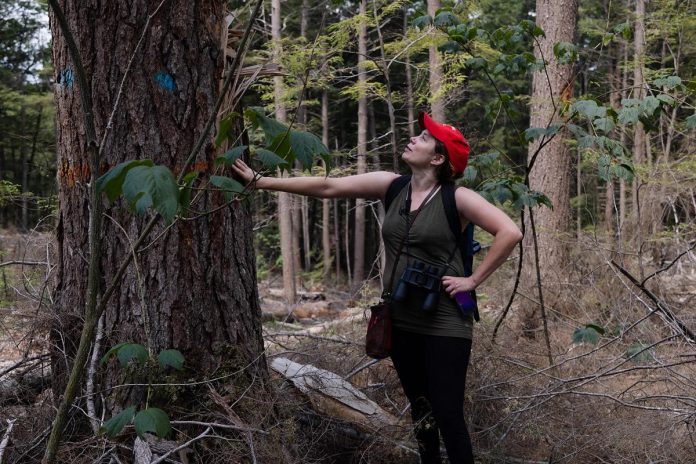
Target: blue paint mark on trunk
[(66, 78), (166, 81)]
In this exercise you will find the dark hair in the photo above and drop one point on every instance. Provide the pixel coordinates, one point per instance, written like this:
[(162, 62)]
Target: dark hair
[(444, 171)]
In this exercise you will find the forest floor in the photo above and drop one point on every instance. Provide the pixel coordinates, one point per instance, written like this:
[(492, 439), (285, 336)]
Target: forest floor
[(621, 389)]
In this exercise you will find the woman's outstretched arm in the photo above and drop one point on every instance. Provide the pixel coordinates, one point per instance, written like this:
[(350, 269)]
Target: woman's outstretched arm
[(371, 185)]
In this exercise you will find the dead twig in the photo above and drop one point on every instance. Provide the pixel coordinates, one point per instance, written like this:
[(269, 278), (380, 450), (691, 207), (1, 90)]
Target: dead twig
[(660, 307), (185, 445), (23, 263), (6, 437)]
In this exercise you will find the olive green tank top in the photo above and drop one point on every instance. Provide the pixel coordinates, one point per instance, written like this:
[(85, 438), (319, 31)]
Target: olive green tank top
[(431, 241)]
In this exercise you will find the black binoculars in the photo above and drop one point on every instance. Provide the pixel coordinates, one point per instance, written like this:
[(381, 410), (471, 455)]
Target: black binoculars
[(419, 281)]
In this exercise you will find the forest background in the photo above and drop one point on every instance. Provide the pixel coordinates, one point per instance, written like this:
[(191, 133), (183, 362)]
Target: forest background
[(581, 121)]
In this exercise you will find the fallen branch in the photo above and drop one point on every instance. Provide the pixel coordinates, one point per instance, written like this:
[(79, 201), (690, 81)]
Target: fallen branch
[(23, 388), (315, 337), (6, 436), (185, 445), (333, 396), (23, 263), (659, 306), (220, 426)]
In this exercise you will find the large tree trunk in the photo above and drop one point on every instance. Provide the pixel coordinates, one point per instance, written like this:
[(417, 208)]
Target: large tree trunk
[(194, 288), (437, 102), (551, 172), (359, 237)]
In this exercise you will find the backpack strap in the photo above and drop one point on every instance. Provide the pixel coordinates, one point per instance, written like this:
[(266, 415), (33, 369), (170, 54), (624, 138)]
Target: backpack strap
[(465, 239), (393, 190)]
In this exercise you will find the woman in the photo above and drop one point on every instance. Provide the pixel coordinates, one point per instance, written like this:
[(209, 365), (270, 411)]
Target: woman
[(430, 350)]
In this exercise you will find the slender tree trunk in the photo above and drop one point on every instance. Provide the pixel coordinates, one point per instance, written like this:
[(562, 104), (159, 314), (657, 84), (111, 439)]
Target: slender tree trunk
[(639, 93), (337, 241), (189, 285), (326, 202), (359, 234), (437, 102), (346, 235), (24, 159), (610, 200), (380, 206), (551, 172), (284, 199), (302, 122), (409, 84), (622, 140)]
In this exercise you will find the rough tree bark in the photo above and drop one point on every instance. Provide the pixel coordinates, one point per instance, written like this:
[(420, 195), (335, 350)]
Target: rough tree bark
[(194, 288), (437, 103), (551, 172)]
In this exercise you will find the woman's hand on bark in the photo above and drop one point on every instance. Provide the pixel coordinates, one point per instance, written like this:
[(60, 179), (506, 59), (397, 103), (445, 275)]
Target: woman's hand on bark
[(453, 285), (245, 173)]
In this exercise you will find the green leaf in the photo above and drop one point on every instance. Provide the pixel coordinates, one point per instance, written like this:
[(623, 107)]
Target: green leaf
[(225, 129), (112, 181), (470, 175), (668, 82), (152, 186), (171, 358), (596, 327), (271, 127), (185, 192), (639, 352), (588, 109), (623, 171), (605, 125), (449, 47), (629, 115), (113, 426), (270, 160), (422, 22), (534, 133), (691, 122), (624, 29), (152, 420), (666, 99), (476, 63), (228, 186), (650, 104), (588, 334), (130, 352), (445, 19), (305, 147), (531, 28), (565, 52), (231, 155), (114, 349)]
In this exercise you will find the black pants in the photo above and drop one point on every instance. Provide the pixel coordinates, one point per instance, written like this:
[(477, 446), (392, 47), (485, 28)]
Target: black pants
[(432, 371)]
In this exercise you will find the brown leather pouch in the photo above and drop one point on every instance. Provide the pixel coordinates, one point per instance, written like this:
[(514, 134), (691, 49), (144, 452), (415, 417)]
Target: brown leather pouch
[(378, 339)]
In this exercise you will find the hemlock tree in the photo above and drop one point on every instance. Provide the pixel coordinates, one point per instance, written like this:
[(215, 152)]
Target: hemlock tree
[(194, 286), (551, 172)]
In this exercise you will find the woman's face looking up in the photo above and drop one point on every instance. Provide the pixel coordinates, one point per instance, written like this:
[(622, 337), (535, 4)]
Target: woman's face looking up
[(421, 150)]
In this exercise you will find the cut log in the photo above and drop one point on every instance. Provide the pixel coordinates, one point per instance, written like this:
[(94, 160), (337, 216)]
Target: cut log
[(23, 388), (301, 295), (332, 396)]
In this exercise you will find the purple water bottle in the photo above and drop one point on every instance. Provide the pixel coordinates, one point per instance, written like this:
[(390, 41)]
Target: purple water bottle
[(466, 302)]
